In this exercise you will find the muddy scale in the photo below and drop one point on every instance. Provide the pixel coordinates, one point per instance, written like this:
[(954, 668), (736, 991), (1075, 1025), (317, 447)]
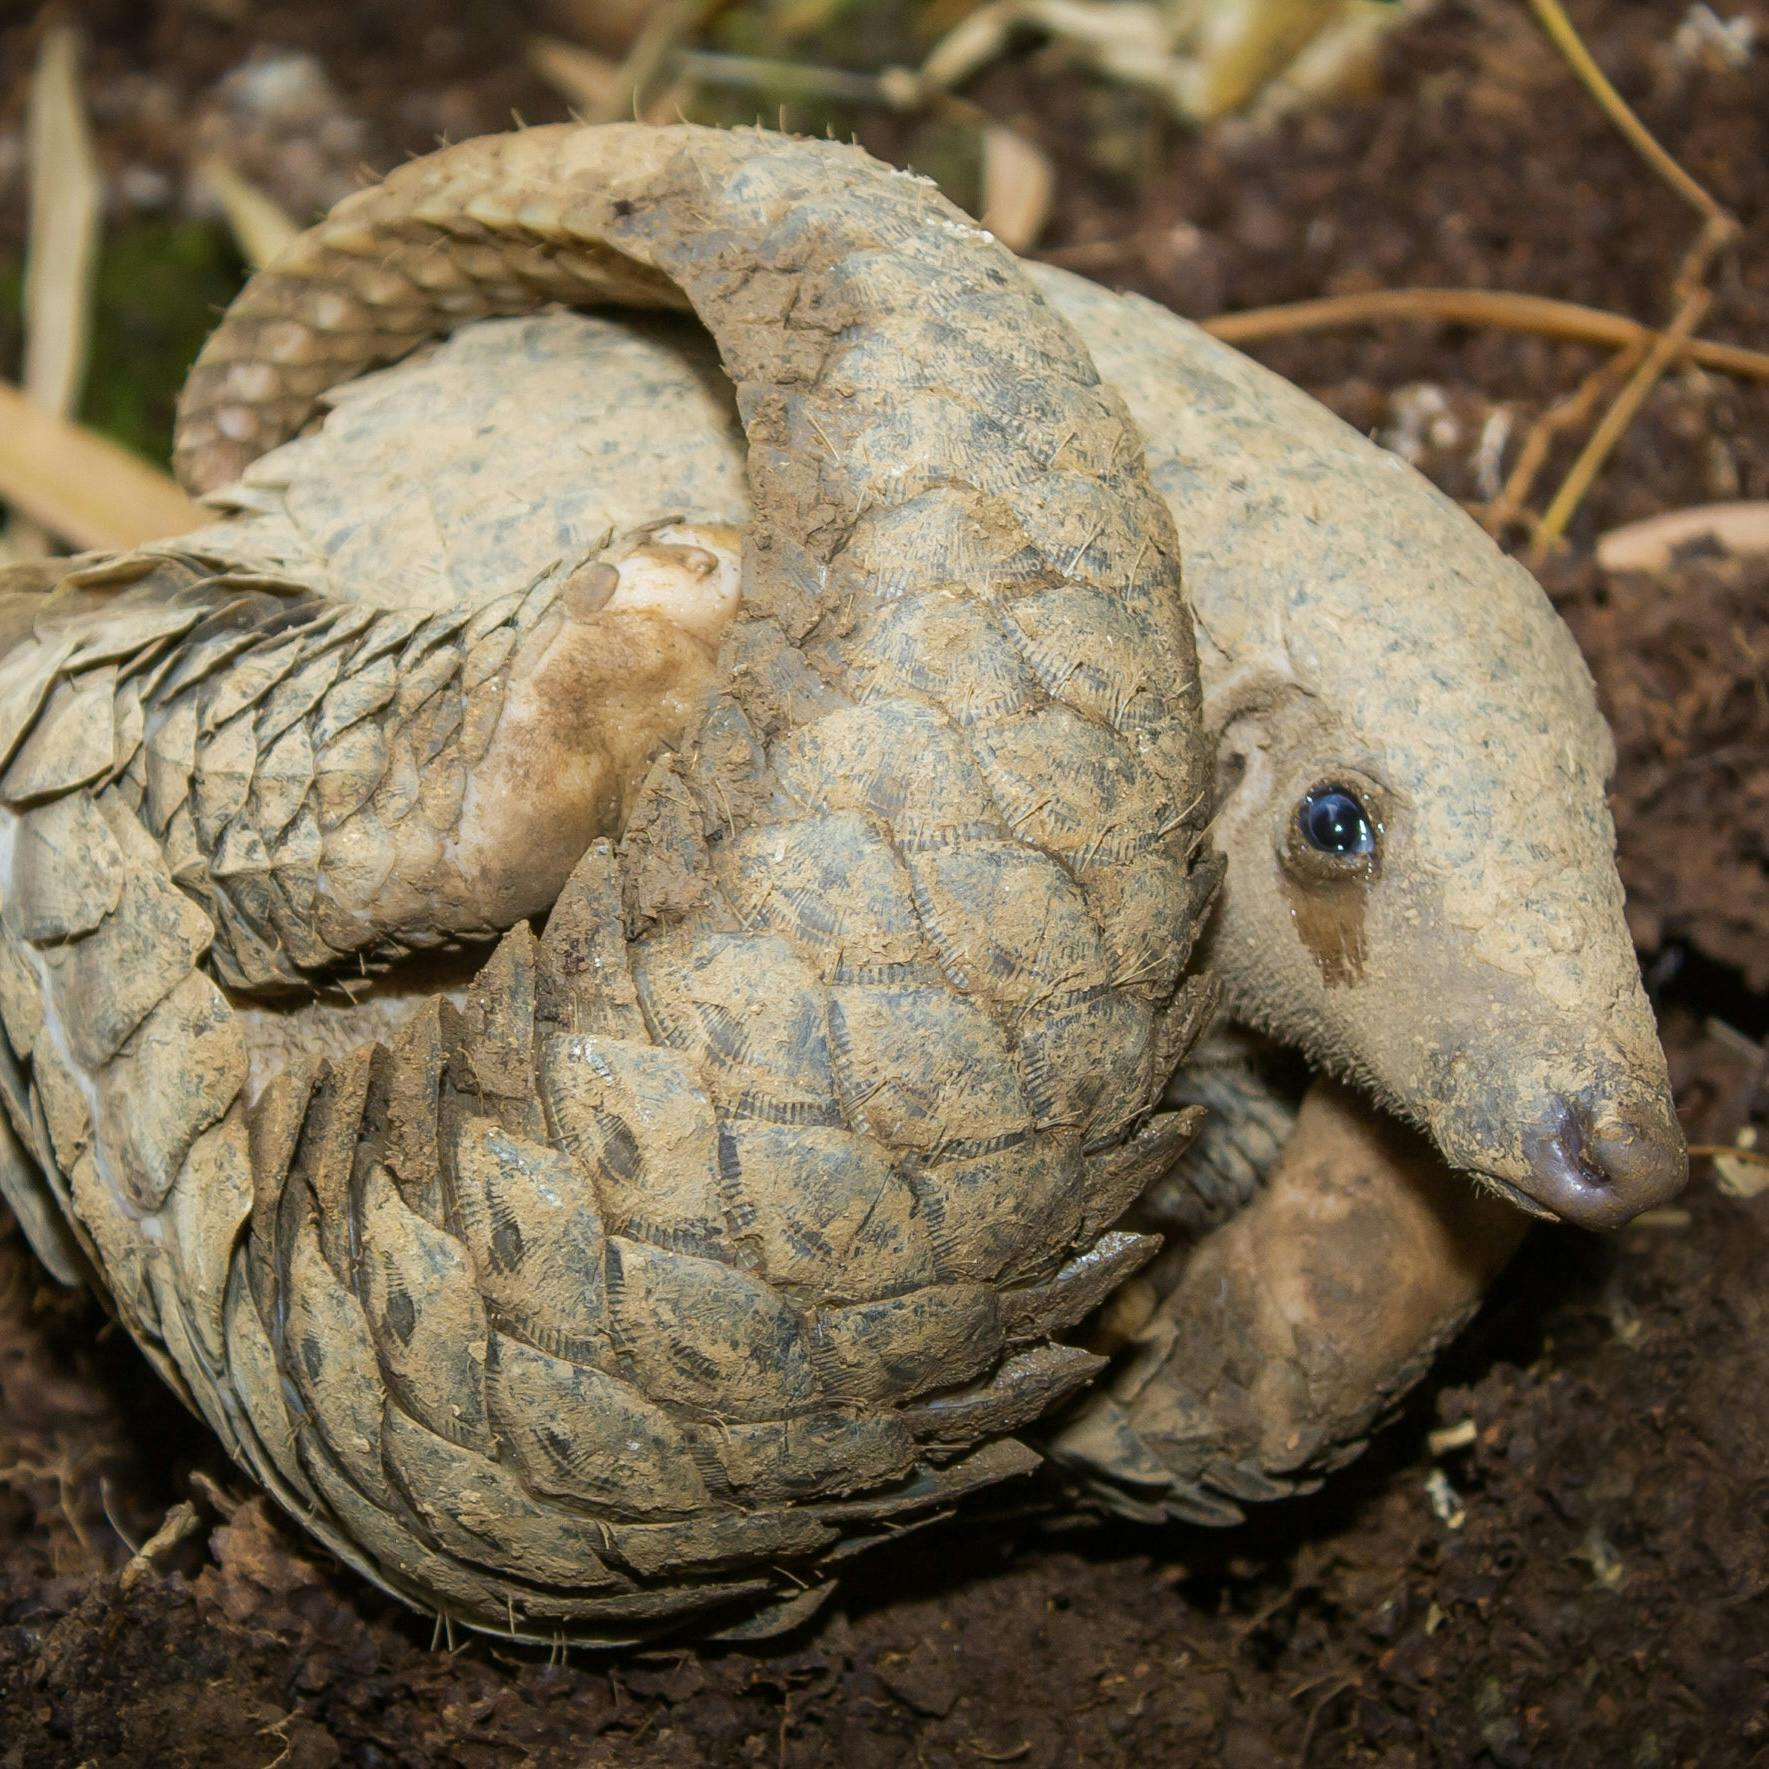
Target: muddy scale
[(735, 1218)]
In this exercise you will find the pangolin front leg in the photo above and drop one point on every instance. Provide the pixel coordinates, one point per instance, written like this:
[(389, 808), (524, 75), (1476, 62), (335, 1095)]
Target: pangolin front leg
[(1259, 1359), (340, 786)]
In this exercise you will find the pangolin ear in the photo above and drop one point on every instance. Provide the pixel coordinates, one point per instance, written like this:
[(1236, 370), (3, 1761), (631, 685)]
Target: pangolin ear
[(1241, 709)]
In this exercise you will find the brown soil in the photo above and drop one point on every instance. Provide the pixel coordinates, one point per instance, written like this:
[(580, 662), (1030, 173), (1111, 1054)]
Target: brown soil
[(1583, 1577)]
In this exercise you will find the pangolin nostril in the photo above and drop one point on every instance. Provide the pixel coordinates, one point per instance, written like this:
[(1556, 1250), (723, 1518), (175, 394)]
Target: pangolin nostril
[(1589, 1168), (1598, 1168)]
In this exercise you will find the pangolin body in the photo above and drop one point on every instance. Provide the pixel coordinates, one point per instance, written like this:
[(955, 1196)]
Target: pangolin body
[(1358, 628), (731, 1220), (511, 564)]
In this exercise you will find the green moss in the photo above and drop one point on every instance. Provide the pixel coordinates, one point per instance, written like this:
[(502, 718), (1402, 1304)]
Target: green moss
[(159, 288), (12, 288)]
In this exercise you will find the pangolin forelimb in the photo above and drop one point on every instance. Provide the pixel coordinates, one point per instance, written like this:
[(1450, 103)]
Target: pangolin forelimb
[(1265, 1359)]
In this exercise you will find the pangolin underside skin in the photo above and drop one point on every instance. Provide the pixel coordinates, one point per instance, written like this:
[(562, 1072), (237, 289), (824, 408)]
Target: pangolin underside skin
[(728, 1222)]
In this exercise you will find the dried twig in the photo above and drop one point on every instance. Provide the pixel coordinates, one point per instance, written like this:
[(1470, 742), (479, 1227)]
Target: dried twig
[(1563, 415), (63, 246), (1335, 1688), (1567, 40), (1694, 300), (1692, 296), (1494, 308), (181, 1523), (893, 88)]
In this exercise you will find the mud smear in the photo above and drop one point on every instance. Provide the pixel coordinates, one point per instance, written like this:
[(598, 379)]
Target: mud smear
[(1330, 920), (1327, 900)]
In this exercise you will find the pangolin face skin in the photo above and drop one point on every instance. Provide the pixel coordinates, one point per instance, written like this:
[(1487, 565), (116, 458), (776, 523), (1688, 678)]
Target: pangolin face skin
[(1448, 950)]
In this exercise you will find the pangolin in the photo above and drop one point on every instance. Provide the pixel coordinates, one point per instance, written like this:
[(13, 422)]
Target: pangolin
[(1379, 680), (615, 1172)]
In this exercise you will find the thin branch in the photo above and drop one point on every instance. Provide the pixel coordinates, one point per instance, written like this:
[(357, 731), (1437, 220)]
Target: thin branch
[(66, 198), (1502, 311), (1576, 408), (1694, 298), (1565, 37), (1601, 442)]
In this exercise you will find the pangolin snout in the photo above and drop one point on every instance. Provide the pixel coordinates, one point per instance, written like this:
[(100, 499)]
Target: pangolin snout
[(1596, 1167)]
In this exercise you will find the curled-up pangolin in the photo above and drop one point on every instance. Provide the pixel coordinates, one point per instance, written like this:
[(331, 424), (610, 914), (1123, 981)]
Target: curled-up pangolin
[(1406, 735), (1421, 890)]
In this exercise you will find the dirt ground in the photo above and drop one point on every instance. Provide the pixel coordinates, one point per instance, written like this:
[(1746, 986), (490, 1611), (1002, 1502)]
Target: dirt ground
[(1560, 1554)]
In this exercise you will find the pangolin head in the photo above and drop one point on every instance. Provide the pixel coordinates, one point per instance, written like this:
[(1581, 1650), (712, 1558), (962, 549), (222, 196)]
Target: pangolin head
[(1421, 889)]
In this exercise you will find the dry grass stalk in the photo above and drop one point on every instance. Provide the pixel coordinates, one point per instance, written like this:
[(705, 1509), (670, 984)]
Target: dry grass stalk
[(606, 26), (587, 81), (80, 486), (1018, 183), (664, 32), (260, 225), (62, 251)]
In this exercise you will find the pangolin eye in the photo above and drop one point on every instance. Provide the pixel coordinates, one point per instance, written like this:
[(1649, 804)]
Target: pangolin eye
[(1334, 820)]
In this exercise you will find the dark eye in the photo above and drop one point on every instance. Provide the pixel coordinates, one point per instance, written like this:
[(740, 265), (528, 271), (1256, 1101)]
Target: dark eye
[(1335, 821)]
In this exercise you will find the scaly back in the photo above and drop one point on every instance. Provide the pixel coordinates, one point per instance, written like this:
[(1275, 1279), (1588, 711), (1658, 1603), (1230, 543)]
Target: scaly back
[(729, 1220)]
